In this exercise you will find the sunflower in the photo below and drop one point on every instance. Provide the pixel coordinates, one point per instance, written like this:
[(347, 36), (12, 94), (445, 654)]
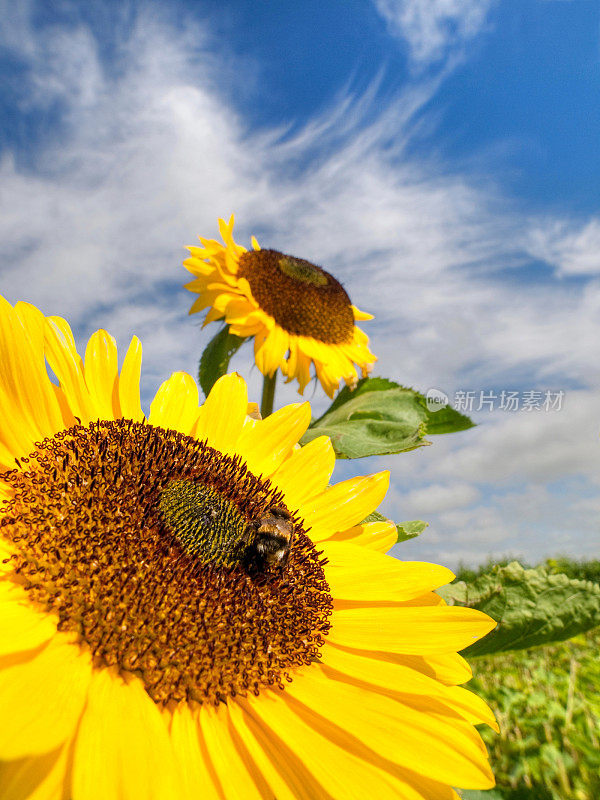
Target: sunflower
[(297, 313), (188, 608)]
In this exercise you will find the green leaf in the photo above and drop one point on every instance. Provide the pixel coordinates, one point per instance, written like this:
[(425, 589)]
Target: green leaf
[(447, 420), (477, 794), (410, 530), (380, 417), (377, 418), (362, 387), (216, 356), (532, 607), (406, 530)]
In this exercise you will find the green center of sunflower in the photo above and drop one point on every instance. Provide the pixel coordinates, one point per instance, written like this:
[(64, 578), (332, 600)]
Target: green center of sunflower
[(302, 298), (302, 271), (157, 551), (207, 524)]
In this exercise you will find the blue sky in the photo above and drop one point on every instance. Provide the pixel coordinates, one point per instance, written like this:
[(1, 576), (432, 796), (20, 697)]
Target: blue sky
[(439, 156)]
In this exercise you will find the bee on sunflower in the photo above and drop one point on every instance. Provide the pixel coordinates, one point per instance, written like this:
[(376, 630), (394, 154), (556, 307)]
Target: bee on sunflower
[(298, 313), (144, 655)]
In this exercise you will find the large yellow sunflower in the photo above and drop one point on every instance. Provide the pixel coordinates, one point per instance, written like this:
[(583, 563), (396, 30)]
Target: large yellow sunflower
[(296, 312), (189, 610)]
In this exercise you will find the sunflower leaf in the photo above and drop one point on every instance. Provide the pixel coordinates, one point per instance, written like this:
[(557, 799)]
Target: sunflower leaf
[(406, 530), (214, 361), (447, 420), (411, 529), (363, 386), (380, 417), (372, 422), (532, 607), (477, 794)]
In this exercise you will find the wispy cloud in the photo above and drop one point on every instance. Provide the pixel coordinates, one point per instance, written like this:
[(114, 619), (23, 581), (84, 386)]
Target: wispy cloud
[(434, 30), (572, 248)]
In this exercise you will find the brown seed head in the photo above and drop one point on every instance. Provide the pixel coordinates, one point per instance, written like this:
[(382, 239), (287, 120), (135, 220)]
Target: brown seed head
[(94, 546), (302, 298)]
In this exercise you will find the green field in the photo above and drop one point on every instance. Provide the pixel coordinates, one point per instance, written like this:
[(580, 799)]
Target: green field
[(547, 702)]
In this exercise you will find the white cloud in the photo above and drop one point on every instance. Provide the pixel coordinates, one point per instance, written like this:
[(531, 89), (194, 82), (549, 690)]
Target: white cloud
[(538, 446), (437, 497), (433, 29), (532, 522), (573, 248), (535, 479)]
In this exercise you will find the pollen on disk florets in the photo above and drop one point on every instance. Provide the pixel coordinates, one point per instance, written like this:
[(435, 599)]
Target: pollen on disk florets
[(301, 297), (93, 544)]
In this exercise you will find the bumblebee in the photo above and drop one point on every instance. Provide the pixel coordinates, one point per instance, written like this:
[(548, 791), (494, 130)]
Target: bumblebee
[(272, 535)]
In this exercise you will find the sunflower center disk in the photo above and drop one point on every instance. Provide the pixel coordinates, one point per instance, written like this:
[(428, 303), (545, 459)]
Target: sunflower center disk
[(302, 298), (137, 538)]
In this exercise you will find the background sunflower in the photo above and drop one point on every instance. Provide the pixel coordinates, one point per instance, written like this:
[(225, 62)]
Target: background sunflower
[(297, 313)]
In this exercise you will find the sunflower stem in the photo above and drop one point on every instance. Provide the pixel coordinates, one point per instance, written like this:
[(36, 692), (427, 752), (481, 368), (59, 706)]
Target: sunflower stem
[(268, 395)]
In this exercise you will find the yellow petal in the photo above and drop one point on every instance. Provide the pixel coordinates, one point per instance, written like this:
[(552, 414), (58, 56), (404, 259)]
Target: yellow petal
[(297, 365), (196, 264), (380, 536), (344, 504), (213, 315), (358, 314), (222, 416), (253, 411), (265, 445), (129, 382), (237, 774), (356, 573), (175, 404), (9, 445), (21, 627), (65, 409), (67, 365), (285, 782), (42, 699), (28, 407), (245, 329), (102, 374), (269, 354), (226, 229), (36, 777), (328, 378), (400, 681), (199, 284), (306, 472), (224, 299), (200, 303), (386, 675), (48, 415), (191, 755), (408, 629), (470, 706), (324, 761), (237, 309), (433, 744), (448, 668), (123, 748)]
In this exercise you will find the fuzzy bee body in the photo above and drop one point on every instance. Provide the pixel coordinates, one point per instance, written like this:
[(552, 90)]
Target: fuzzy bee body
[(272, 539)]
